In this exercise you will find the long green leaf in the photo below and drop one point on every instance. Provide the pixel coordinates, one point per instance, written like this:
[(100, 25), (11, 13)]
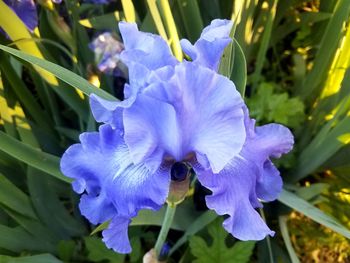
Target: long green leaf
[(191, 17), (282, 220), (239, 69), (264, 44), (43, 258), (328, 47), (312, 212), (17, 240), (23, 93), (63, 74), (14, 198), (34, 157), (107, 21)]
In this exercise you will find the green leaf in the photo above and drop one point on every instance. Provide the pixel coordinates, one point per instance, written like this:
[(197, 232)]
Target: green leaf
[(323, 58), (17, 240), (100, 227), (197, 225), (51, 212), (43, 258), (312, 212), (107, 21), (98, 251), (239, 69), (34, 157), (288, 243), (63, 74), (24, 95), (267, 106), (14, 198), (191, 17), (218, 251)]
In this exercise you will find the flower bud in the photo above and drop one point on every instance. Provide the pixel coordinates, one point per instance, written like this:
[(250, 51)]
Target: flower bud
[(180, 182)]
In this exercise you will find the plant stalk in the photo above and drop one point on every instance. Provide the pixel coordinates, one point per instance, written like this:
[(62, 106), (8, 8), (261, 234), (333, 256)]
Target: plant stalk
[(168, 219)]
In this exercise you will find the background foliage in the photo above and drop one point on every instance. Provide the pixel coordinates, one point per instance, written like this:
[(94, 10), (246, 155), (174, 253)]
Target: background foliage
[(289, 58)]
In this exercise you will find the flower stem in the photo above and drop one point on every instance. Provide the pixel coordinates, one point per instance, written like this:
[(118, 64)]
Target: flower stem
[(168, 219)]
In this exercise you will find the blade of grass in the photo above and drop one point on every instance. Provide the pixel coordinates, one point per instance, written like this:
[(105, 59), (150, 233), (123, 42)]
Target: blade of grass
[(129, 11), (264, 43), (24, 95), (282, 220), (65, 75), (152, 6), (34, 157), (311, 85), (300, 205), (16, 30), (191, 17), (107, 21), (165, 11)]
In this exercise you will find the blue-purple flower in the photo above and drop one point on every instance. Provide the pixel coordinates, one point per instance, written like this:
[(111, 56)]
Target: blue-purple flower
[(175, 112), (26, 11), (107, 50)]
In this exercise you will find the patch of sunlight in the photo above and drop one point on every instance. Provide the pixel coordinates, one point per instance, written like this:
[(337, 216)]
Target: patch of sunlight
[(94, 80), (338, 68), (344, 138), (16, 30)]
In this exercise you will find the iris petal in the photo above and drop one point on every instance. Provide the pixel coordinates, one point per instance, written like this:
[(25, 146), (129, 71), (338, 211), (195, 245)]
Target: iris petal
[(110, 112), (113, 185), (233, 194), (184, 115), (209, 48), (144, 48), (249, 176), (116, 235)]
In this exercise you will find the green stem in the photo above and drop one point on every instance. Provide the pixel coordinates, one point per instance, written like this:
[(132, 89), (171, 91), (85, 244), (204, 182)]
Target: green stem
[(168, 219)]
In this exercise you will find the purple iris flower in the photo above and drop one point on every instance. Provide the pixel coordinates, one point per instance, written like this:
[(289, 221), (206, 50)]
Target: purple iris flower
[(175, 112), (107, 50), (26, 11)]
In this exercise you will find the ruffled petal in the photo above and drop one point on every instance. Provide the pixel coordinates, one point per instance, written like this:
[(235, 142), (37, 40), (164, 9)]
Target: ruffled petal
[(271, 140), (144, 48), (209, 48), (26, 11), (233, 194), (269, 184), (113, 185), (248, 177), (110, 112), (194, 111), (116, 235)]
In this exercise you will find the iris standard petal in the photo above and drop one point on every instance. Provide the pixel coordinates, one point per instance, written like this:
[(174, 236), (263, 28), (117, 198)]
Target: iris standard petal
[(113, 185), (209, 48), (26, 11), (233, 194), (110, 112), (144, 48), (194, 111)]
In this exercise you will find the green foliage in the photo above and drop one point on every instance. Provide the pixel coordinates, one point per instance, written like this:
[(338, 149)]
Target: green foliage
[(218, 251), (294, 55), (268, 106), (97, 251)]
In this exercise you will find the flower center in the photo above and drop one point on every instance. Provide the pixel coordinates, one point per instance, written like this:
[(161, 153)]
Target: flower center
[(179, 171)]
